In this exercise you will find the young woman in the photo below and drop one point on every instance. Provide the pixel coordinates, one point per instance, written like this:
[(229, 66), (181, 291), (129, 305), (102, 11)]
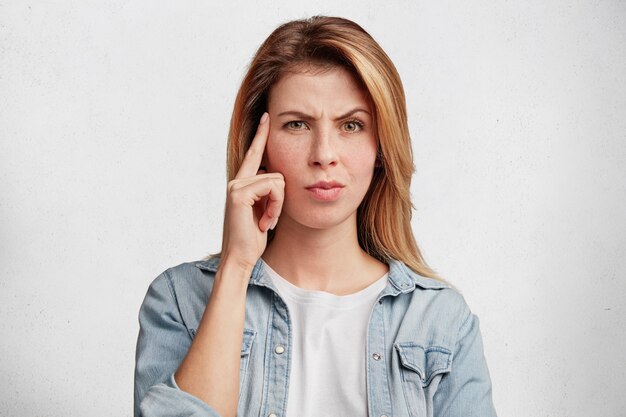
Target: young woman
[(320, 302)]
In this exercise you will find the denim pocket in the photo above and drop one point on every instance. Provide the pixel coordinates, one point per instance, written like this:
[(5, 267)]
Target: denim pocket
[(246, 347), (422, 369)]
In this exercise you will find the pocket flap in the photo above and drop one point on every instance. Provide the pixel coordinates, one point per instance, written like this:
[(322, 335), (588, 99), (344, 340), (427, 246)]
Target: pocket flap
[(246, 343), (426, 361)]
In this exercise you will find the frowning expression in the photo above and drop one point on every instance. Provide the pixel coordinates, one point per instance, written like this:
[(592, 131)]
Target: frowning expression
[(322, 140)]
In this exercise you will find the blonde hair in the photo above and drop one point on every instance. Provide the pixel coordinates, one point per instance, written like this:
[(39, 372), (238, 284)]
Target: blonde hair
[(384, 216)]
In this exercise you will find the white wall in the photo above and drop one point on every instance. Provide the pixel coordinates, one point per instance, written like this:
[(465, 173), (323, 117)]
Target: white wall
[(113, 118)]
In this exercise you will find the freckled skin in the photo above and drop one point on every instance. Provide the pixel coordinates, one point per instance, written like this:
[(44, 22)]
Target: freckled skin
[(314, 143)]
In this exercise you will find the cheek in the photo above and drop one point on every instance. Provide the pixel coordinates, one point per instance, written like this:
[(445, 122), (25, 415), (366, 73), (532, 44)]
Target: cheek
[(363, 162), (280, 155)]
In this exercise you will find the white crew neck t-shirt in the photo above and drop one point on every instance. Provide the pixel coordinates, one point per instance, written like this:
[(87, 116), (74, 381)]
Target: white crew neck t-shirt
[(329, 333)]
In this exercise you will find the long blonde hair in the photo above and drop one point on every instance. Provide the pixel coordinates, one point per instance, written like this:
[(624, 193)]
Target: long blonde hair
[(384, 216)]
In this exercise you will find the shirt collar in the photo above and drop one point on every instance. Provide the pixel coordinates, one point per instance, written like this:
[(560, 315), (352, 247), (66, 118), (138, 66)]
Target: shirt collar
[(402, 279), (257, 277)]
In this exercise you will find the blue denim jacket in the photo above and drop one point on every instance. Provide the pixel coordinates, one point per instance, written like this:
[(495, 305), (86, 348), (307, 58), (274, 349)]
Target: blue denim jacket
[(424, 350)]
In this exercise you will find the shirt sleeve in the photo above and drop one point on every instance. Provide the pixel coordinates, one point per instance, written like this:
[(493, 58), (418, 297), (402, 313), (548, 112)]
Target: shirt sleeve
[(162, 344), (466, 390)]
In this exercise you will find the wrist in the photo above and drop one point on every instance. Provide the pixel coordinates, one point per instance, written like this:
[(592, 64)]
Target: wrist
[(236, 265), (233, 275)]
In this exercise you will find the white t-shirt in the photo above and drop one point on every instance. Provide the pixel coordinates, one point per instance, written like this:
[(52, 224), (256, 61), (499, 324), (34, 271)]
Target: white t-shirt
[(329, 332)]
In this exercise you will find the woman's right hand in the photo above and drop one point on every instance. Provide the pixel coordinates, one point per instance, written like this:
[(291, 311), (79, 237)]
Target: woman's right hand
[(254, 200)]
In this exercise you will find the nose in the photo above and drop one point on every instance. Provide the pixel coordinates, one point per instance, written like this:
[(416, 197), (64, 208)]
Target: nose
[(323, 151)]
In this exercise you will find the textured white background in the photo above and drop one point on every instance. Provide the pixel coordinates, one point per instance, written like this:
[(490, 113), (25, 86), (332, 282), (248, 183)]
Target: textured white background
[(113, 118)]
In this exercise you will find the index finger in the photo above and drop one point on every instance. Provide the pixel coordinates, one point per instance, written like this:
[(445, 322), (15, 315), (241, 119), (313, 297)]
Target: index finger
[(252, 161)]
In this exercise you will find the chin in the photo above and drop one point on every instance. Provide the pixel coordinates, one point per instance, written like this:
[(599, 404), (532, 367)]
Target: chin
[(324, 219)]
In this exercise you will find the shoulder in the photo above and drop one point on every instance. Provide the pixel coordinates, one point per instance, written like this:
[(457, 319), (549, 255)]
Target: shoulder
[(421, 287), (184, 288), (188, 276), (433, 306)]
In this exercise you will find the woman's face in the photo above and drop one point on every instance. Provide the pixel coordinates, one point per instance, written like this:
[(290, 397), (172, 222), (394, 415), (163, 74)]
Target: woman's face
[(322, 140)]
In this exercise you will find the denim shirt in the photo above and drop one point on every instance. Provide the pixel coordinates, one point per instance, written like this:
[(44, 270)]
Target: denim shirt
[(424, 353)]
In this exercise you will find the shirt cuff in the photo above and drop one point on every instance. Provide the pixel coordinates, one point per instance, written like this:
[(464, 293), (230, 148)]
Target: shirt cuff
[(166, 400)]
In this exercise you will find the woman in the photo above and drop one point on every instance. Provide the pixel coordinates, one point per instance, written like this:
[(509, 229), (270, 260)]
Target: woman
[(320, 301)]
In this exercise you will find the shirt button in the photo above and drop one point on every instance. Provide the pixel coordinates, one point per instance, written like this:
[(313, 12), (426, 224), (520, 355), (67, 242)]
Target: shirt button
[(274, 415), (383, 415), (376, 357), (279, 349)]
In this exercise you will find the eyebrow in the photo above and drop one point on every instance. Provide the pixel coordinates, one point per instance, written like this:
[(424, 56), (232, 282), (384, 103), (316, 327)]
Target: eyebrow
[(305, 116)]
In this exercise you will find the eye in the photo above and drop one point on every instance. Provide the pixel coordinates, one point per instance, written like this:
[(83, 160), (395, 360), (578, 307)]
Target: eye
[(353, 126), (295, 125)]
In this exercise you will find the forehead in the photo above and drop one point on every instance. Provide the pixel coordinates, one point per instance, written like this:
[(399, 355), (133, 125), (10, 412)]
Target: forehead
[(318, 90)]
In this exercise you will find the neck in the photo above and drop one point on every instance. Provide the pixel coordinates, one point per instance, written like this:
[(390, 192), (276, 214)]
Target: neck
[(325, 260)]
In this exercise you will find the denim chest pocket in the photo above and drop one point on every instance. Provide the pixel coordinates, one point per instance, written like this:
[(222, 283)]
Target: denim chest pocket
[(422, 368), (246, 348)]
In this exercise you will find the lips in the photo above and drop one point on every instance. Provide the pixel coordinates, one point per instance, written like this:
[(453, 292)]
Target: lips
[(325, 190)]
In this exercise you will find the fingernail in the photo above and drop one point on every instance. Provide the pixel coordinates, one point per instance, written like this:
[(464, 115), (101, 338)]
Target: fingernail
[(274, 223), (264, 117)]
